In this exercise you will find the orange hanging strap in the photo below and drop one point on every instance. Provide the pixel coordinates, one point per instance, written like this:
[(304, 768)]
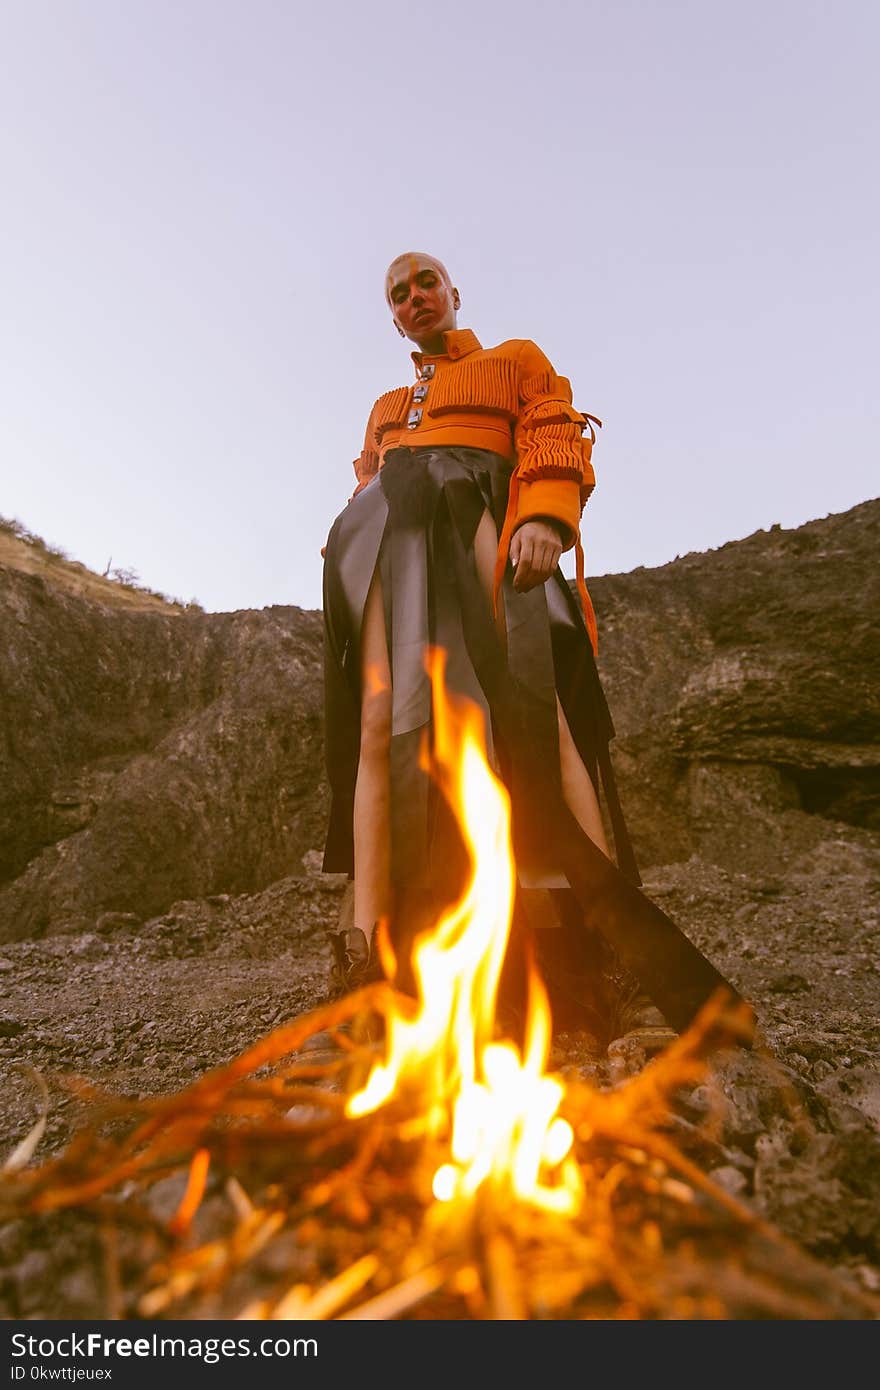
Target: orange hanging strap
[(586, 602), (504, 540)]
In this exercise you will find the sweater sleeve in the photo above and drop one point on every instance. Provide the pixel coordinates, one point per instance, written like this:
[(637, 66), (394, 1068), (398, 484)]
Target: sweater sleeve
[(366, 465), (554, 475), (554, 469)]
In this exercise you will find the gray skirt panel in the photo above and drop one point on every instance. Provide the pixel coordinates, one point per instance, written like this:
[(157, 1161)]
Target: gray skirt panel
[(416, 521)]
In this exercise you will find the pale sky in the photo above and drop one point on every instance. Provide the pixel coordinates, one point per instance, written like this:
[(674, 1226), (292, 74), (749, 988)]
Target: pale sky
[(677, 201)]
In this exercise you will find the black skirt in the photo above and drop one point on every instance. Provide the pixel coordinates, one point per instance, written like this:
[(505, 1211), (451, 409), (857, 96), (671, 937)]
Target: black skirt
[(417, 520)]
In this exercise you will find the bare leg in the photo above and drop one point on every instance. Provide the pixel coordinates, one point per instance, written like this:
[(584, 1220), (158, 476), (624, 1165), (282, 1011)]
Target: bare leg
[(372, 788), (577, 785)]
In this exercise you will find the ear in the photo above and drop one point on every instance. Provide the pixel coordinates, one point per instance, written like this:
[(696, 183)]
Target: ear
[(400, 330), (456, 299)]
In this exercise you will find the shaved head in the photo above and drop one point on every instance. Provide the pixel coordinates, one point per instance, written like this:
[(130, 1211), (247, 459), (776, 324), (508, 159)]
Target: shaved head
[(407, 264), (422, 299)]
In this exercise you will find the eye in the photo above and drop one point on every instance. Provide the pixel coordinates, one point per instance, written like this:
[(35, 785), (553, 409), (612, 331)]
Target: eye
[(398, 295), (427, 279)]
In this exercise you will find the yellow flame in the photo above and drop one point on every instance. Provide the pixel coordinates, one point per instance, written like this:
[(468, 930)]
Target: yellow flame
[(496, 1105)]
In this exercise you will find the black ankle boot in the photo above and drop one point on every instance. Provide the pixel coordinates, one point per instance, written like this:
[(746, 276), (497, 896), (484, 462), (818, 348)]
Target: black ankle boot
[(355, 962), (632, 1010)]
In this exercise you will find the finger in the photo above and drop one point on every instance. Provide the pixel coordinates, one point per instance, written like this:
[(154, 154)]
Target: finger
[(539, 570), (554, 553), (550, 553), (545, 560), (524, 568)]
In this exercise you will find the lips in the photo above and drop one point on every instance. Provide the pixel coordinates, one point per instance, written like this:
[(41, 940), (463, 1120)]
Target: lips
[(422, 314)]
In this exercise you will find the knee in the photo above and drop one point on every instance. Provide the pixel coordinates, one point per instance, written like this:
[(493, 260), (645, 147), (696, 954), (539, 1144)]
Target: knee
[(376, 726)]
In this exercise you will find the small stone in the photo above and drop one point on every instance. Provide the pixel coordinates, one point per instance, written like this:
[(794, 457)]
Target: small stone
[(6, 964), (788, 983), (80, 1288), (730, 1179), (71, 926), (625, 1058), (770, 888), (282, 1255), (869, 1277), (84, 944), (304, 1114), (117, 921), (164, 1196), (741, 1160), (13, 1238), (32, 1268)]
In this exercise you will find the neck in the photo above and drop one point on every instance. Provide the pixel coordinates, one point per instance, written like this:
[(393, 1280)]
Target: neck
[(431, 346), (434, 344)]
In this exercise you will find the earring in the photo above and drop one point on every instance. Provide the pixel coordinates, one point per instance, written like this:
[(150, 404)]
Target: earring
[(400, 330)]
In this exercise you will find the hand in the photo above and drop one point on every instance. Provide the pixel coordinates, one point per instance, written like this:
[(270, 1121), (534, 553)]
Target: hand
[(534, 552)]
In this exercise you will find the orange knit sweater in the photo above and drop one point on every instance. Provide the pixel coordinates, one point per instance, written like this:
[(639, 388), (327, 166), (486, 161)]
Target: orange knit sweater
[(508, 399)]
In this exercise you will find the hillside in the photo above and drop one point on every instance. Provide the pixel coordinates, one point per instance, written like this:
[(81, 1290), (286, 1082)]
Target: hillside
[(28, 554), (150, 754), (162, 809)]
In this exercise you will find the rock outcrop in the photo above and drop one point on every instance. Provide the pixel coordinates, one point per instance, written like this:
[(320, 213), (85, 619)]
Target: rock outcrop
[(149, 754), (743, 685)]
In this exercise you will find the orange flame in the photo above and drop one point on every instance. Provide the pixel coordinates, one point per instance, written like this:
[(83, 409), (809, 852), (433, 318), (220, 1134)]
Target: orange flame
[(193, 1194), (496, 1106)]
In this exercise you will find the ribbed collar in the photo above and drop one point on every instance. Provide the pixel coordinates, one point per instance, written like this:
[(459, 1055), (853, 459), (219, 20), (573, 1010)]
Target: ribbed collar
[(458, 341)]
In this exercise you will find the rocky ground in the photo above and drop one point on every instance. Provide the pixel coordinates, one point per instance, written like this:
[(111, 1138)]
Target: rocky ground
[(147, 1007), (162, 769)]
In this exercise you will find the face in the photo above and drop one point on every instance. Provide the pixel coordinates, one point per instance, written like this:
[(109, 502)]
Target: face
[(423, 300)]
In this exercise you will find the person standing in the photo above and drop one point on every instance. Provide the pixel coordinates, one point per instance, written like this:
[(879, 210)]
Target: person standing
[(471, 483)]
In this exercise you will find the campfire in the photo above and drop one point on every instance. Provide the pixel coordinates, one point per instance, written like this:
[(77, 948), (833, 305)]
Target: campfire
[(494, 1107), (439, 1171)]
